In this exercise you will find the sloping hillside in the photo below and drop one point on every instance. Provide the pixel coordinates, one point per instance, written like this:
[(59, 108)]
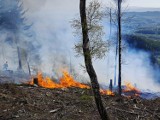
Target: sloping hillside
[(23, 102), (142, 32)]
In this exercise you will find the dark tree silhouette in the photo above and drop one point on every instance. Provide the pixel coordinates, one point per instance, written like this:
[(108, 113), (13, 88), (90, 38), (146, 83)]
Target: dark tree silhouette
[(116, 18), (120, 47), (88, 62)]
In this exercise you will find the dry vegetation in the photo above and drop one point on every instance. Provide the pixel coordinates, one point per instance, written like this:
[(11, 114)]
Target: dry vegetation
[(23, 102)]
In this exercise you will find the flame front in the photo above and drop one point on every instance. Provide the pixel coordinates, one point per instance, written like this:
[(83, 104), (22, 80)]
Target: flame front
[(106, 92), (130, 87), (65, 81)]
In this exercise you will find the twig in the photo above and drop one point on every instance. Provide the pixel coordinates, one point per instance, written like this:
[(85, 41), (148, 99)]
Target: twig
[(126, 111), (55, 110), (155, 114)]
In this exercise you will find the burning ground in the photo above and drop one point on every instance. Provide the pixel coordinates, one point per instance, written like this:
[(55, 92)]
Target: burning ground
[(29, 102)]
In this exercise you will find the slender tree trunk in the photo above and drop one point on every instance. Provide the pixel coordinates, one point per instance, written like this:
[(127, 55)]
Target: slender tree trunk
[(116, 63), (29, 69), (28, 65), (18, 52), (19, 59), (88, 62), (110, 14), (120, 46)]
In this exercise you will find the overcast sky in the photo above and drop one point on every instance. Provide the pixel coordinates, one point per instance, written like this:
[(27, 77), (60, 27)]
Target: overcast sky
[(145, 3), (35, 4), (141, 3)]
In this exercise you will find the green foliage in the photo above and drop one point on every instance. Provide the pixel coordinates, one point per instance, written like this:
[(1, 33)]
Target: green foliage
[(98, 46), (143, 42), (143, 32), (86, 98)]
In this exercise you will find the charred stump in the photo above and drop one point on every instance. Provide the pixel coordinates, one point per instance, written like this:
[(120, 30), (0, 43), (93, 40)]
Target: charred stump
[(111, 85), (35, 81)]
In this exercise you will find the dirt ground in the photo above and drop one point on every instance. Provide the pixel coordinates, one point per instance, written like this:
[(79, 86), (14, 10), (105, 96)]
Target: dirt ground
[(23, 102)]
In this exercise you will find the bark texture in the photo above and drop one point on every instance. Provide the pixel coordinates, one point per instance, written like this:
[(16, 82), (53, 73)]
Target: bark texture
[(120, 47), (88, 62)]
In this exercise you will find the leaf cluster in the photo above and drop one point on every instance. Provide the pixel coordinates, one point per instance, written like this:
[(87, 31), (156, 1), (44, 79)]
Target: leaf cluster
[(95, 15)]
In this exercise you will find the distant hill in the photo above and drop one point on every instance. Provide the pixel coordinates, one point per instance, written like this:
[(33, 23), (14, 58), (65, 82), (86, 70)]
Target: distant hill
[(142, 31), (142, 9), (134, 21)]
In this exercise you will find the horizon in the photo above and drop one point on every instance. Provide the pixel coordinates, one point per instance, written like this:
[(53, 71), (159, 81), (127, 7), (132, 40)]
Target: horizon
[(139, 3), (143, 9)]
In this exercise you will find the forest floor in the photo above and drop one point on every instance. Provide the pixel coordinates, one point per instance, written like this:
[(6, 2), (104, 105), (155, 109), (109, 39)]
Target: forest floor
[(24, 102)]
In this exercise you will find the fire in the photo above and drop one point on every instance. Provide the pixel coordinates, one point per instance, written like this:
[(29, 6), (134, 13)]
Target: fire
[(65, 81), (130, 87), (46, 82), (106, 92)]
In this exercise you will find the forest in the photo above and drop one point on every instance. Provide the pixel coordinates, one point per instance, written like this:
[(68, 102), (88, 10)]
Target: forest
[(85, 60)]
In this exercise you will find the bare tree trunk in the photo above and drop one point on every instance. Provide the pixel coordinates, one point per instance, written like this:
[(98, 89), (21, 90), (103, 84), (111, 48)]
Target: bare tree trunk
[(29, 69), (19, 59), (110, 15), (116, 58), (88, 62), (18, 52), (28, 65), (120, 46)]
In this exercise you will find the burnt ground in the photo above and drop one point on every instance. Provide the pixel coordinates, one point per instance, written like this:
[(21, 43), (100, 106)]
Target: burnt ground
[(22, 102)]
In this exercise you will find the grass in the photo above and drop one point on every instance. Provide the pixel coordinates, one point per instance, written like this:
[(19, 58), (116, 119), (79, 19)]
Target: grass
[(86, 98)]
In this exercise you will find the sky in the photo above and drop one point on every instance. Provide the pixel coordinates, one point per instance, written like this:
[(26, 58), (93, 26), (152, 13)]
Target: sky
[(137, 3), (140, 3), (51, 20), (145, 3), (37, 4)]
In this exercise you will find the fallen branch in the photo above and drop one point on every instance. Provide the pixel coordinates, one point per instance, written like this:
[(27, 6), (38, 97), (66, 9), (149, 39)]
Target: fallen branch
[(126, 111), (55, 110), (155, 114)]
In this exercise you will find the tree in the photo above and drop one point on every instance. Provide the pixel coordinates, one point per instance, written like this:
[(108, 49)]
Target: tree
[(88, 61), (119, 46), (117, 20), (12, 20), (94, 15)]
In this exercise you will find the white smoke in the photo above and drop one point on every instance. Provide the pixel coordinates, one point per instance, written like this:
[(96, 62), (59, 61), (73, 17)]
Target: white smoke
[(54, 34), (138, 70)]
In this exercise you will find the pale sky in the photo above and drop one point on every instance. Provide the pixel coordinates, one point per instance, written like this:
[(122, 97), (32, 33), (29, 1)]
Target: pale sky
[(137, 3), (141, 3), (145, 3)]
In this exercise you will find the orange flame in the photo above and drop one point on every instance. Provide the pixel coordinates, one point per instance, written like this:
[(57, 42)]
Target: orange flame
[(130, 87), (106, 92), (68, 81), (65, 81)]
